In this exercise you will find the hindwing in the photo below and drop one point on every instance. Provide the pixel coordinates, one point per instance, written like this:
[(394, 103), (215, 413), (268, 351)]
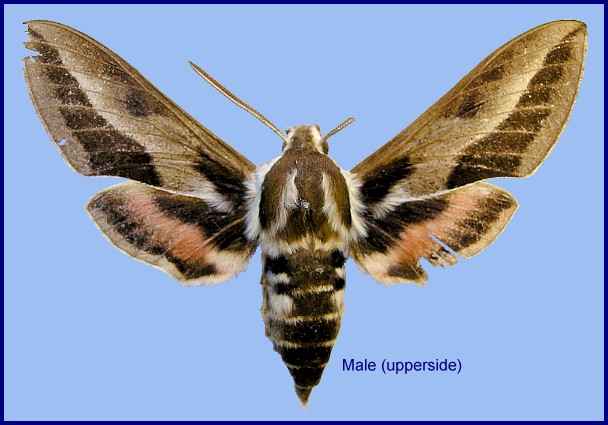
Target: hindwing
[(181, 235), (501, 120), (108, 120)]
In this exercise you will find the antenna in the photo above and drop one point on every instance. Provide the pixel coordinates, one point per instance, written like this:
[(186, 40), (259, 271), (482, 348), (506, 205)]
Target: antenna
[(338, 128), (223, 90)]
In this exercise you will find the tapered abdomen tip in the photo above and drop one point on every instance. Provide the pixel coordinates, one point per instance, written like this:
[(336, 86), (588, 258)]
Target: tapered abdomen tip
[(302, 310), (303, 394)]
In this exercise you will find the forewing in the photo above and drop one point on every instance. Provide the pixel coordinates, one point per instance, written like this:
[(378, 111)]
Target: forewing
[(501, 120), (107, 119), (423, 187), (182, 235), (466, 220)]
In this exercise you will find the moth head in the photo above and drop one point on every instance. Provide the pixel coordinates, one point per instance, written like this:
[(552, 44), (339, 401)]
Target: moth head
[(298, 137), (303, 137)]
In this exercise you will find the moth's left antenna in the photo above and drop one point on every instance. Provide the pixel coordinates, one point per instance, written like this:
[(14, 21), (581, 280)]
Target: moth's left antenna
[(223, 90)]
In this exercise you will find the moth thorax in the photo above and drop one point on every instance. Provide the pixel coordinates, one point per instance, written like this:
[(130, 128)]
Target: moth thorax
[(305, 137)]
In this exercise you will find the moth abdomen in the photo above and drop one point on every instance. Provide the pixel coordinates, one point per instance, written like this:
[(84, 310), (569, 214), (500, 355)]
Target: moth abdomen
[(197, 209), (302, 308)]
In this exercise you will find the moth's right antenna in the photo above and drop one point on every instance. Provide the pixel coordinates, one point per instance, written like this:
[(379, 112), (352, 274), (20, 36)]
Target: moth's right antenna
[(223, 90), (338, 128)]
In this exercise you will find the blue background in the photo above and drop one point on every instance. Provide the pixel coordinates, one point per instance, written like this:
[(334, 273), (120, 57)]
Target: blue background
[(93, 334)]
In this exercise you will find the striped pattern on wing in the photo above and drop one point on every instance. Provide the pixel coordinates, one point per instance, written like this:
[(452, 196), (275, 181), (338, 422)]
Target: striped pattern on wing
[(107, 119), (466, 220), (501, 120), (182, 235)]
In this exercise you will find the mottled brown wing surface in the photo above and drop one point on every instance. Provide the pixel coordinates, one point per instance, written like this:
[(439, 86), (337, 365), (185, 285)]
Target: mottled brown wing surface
[(182, 235), (107, 119), (501, 120)]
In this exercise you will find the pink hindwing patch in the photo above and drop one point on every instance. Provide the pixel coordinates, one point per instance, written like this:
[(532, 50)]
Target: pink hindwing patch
[(197, 209)]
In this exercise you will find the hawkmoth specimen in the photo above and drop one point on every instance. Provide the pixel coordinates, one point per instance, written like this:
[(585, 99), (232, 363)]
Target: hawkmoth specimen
[(197, 209)]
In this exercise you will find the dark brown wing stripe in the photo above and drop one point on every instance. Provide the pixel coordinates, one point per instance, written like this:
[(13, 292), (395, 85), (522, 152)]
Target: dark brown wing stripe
[(107, 119), (499, 153), (465, 220), (228, 181), (223, 230), (182, 235), (383, 232), (110, 152), (377, 184), (143, 237), (502, 119)]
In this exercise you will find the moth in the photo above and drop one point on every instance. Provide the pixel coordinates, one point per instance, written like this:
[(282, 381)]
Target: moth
[(197, 209)]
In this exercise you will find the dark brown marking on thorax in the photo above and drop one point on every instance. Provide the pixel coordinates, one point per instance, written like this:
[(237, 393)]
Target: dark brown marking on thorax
[(307, 217)]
